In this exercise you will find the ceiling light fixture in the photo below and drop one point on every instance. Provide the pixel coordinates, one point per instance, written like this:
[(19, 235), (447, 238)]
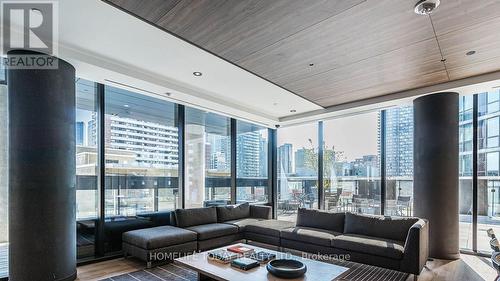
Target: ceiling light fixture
[(197, 73), (426, 7), (470, 53), (126, 105)]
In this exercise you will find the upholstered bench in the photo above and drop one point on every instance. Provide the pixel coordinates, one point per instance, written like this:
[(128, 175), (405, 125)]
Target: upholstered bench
[(159, 244)]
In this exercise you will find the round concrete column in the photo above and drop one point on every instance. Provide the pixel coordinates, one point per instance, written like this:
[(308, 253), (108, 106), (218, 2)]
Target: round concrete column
[(435, 182), (42, 229)]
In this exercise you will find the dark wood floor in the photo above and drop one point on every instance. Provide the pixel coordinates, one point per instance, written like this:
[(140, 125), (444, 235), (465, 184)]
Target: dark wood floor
[(468, 268)]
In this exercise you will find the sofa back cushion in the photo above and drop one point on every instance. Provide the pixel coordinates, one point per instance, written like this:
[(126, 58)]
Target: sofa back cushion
[(321, 219), (197, 216), (378, 226), (233, 212), (158, 218)]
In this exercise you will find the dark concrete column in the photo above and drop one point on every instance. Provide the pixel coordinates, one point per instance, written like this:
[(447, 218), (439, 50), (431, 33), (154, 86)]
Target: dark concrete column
[(435, 183), (42, 227)]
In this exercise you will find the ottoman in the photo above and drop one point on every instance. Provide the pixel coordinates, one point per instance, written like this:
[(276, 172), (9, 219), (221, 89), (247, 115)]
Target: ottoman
[(267, 231), (159, 244)]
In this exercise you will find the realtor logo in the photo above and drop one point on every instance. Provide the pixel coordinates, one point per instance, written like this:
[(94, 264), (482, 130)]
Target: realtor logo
[(29, 25)]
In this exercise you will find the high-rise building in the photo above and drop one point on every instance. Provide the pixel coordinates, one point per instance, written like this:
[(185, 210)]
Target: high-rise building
[(154, 144), (248, 154), (218, 151), (80, 133), (399, 141), (285, 158)]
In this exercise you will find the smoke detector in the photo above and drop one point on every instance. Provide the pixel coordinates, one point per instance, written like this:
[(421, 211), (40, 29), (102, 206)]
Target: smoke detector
[(426, 7)]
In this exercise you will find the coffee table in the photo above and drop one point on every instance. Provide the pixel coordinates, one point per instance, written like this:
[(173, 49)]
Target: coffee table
[(208, 269)]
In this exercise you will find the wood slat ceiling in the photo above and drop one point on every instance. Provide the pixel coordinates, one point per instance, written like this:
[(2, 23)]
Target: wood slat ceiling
[(359, 49)]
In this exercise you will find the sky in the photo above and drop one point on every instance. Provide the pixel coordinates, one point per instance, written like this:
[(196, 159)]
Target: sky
[(355, 135)]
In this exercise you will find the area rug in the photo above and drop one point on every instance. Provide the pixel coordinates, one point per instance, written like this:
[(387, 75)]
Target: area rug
[(173, 272)]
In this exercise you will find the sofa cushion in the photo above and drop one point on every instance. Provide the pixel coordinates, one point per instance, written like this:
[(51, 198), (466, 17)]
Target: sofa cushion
[(261, 212), (158, 237), (321, 219), (369, 245), (213, 230), (233, 212), (197, 216), (242, 223), (269, 227), (157, 218), (378, 226), (310, 235)]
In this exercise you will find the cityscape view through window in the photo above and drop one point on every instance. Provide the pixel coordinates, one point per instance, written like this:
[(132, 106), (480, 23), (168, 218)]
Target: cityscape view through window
[(208, 159), (297, 169), (252, 182), (352, 164)]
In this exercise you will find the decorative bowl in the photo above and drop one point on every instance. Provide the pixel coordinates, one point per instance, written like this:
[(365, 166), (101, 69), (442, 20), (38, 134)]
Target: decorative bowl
[(286, 268)]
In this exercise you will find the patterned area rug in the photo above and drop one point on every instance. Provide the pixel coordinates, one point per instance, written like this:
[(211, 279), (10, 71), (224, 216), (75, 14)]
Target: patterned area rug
[(172, 272)]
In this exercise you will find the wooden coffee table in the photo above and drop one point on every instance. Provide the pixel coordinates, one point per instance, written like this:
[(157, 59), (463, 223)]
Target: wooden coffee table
[(208, 269)]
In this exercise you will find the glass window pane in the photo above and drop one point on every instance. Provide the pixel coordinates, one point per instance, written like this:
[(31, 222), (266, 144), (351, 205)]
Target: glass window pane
[(4, 185), (351, 164), (297, 169), (208, 159), (465, 175), (252, 183), (488, 168), (86, 167), (141, 141), (492, 163), (399, 161)]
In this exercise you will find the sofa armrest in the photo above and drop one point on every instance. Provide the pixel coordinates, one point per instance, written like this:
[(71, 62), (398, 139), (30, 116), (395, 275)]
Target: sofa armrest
[(261, 212), (416, 248)]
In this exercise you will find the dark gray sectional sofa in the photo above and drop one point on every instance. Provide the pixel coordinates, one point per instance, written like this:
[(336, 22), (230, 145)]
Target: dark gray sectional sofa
[(395, 243)]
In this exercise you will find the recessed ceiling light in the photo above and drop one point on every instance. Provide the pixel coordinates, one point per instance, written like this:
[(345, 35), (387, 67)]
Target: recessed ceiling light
[(426, 7), (293, 110), (126, 105), (470, 53), (197, 73)]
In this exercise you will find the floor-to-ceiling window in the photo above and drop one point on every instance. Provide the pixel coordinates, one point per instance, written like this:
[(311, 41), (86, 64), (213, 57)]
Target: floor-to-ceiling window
[(488, 177), (398, 122), (4, 198), (297, 169), (86, 167), (352, 164), (141, 142), (207, 158), (252, 182), (465, 170)]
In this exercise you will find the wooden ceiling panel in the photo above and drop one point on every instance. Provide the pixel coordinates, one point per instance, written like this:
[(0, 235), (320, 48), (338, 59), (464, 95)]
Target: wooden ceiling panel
[(236, 29), (483, 38), (379, 28), (360, 48), (453, 15), (151, 10), (474, 69), (405, 68)]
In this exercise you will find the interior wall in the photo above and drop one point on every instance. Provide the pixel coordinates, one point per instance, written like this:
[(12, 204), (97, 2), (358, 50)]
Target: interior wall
[(4, 200)]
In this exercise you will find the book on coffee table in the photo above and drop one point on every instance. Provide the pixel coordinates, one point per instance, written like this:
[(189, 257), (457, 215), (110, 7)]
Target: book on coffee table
[(262, 257), (222, 256), (245, 263), (243, 250)]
